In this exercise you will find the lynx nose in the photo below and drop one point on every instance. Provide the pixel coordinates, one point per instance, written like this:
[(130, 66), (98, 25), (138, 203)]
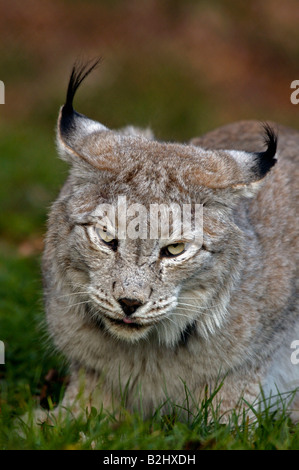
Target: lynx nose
[(129, 306)]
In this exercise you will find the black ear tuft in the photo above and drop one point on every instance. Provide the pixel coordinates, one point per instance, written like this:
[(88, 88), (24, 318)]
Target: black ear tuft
[(270, 141), (78, 74), (266, 160)]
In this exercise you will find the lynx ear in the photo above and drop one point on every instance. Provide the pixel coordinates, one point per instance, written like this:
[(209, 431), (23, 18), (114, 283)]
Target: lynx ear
[(78, 137), (256, 165), (235, 169)]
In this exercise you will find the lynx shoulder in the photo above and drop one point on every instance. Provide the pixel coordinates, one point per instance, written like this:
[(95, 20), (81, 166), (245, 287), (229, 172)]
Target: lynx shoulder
[(218, 300)]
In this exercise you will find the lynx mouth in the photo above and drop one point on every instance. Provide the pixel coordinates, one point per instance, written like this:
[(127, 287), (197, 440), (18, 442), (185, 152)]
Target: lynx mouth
[(124, 323)]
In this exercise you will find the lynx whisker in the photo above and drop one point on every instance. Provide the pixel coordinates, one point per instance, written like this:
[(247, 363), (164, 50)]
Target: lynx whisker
[(209, 315), (192, 305), (207, 306), (170, 319), (79, 303), (72, 294)]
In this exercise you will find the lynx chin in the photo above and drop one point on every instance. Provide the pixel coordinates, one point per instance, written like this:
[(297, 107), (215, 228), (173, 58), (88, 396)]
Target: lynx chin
[(151, 314)]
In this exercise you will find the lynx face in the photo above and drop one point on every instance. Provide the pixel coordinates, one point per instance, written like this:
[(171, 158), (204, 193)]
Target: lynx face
[(139, 286)]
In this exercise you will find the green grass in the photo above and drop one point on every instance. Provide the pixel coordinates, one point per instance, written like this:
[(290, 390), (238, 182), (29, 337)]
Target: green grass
[(96, 430)]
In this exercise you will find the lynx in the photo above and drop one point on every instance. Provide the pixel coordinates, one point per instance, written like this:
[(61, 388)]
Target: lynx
[(157, 316)]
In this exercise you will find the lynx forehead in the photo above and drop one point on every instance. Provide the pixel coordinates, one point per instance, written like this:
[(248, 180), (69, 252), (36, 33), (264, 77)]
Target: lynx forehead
[(162, 310)]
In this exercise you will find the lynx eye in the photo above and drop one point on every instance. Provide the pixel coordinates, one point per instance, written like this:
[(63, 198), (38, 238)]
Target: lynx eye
[(173, 250), (106, 236)]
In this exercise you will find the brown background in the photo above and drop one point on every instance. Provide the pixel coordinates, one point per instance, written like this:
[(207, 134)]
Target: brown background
[(181, 66)]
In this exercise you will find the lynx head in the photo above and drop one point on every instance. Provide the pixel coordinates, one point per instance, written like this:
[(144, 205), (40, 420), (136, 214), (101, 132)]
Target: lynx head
[(117, 268)]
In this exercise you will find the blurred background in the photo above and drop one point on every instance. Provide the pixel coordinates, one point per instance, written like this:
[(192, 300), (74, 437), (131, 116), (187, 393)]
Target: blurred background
[(182, 67)]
